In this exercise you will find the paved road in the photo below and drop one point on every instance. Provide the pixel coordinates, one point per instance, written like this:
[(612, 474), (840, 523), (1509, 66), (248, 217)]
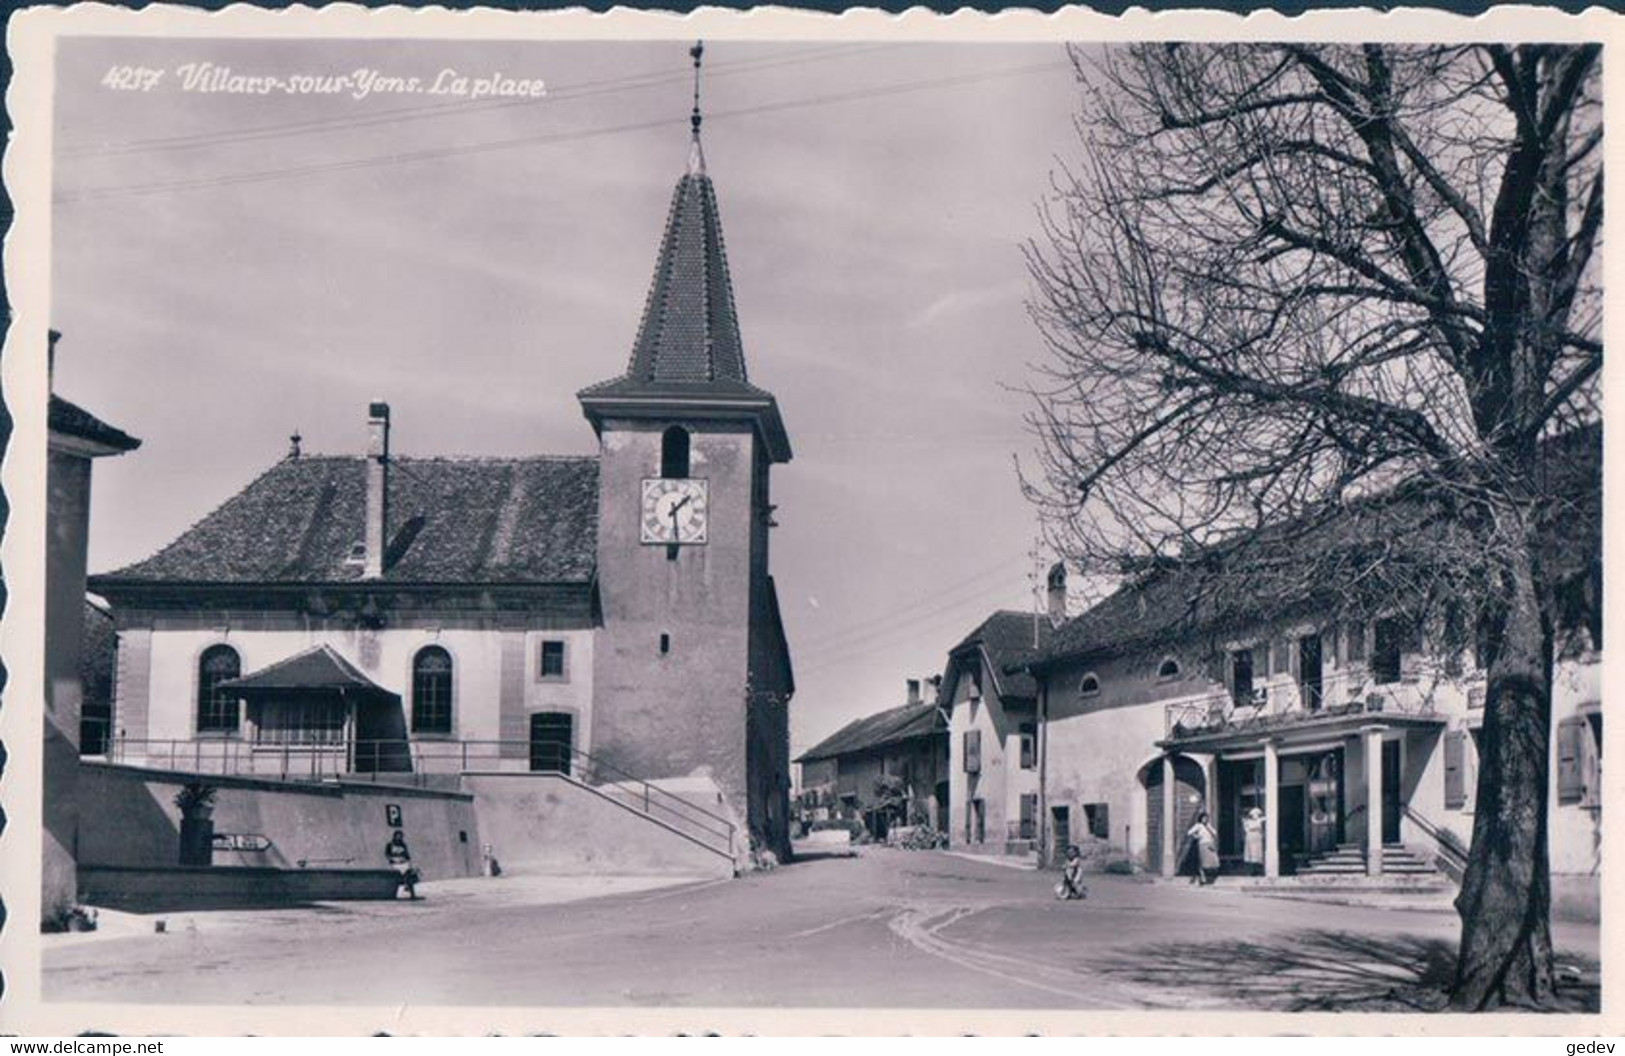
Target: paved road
[(890, 929)]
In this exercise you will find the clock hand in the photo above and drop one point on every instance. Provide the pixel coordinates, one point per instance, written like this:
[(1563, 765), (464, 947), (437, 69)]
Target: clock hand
[(680, 505)]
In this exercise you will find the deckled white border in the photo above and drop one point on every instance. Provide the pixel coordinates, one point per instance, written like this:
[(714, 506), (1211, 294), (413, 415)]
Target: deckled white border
[(27, 173)]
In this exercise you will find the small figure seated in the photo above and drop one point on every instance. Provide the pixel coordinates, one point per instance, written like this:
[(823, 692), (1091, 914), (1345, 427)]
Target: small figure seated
[(396, 853)]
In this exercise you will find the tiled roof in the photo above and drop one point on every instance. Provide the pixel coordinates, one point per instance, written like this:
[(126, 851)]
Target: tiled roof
[(688, 349), (1231, 587), (452, 521), (320, 667), (690, 331), (1007, 638), (71, 419), (877, 731)]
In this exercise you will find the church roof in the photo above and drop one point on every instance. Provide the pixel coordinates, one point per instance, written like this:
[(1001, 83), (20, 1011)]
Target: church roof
[(688, 349), (452, 521), (320, 667)]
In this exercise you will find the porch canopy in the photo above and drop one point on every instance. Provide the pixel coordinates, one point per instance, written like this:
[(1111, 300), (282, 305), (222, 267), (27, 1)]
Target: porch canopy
[(318, 698)]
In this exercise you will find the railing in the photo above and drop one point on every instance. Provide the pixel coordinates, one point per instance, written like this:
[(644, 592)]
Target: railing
[(416, 762), (1284, 704), (1450, 856)]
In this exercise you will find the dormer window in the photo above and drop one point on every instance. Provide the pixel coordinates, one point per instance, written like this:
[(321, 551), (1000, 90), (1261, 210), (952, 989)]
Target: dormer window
[(674, 453), (1090, 686), (357, 555), (1169, 670)]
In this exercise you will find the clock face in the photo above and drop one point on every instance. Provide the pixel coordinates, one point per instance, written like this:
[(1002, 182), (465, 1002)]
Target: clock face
[(674, 511)]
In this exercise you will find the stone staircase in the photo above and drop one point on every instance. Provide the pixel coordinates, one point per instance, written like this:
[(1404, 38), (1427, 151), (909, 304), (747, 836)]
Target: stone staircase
[(1347, 862)]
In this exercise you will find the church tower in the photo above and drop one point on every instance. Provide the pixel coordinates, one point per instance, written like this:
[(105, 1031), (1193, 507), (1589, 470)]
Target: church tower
[(691, 670)]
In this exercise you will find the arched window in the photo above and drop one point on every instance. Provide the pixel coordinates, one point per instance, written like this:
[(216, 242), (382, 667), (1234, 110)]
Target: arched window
[(217, 709), (431, 691), (1169, 669), (1090, 686), (674, 453)]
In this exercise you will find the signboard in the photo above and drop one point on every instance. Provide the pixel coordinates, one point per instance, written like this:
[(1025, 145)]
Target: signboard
[(392, 815), (241, 841)]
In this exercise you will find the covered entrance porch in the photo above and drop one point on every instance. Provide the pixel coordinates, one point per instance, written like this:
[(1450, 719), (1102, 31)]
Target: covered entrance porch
[(1326, 790), (316, 711)]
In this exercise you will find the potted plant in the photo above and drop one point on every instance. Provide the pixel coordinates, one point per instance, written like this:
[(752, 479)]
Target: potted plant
[(196, 803)]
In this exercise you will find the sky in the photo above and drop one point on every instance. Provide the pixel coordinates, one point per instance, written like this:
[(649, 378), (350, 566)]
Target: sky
[(230, 268)]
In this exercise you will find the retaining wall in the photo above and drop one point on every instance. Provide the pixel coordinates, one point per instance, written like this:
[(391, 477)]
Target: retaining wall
[(128, 818), (539, 823)]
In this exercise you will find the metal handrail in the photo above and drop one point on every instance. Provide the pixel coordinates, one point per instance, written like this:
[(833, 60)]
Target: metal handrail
[(1218, 712), (596, 767), (385, 759), (1458, 856)]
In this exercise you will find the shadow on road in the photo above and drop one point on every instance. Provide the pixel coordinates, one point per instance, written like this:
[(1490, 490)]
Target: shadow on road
[(1315, 971)]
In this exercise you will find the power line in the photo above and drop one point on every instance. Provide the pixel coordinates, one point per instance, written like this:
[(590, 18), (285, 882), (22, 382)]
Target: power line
[(934, 597), (937, 620), (102, 193), (456, 108)]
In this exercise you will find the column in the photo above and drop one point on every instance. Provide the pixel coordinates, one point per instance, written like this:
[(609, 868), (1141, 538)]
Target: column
[(1272, 810), (1170, 819), (1373, 799)]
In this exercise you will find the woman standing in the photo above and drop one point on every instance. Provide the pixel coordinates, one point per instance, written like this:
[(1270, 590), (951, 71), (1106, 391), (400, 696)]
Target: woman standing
[(1253, 827), (1207, 849)]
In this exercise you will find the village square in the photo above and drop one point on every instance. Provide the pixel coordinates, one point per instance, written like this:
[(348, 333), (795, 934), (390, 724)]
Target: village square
[(727, 671)]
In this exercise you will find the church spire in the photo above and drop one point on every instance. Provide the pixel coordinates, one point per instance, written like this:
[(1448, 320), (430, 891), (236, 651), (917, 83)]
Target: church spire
[(688, 343), (696, 153)]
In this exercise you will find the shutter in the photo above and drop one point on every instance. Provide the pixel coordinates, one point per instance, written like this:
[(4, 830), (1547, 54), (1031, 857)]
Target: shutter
[(973, 751), (1102, 827), (1570, 776), (1281, 656), (1591, 754), (1455, 772)]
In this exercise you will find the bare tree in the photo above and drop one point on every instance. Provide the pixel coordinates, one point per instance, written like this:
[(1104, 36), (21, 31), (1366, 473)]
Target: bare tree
[(1288, 282)]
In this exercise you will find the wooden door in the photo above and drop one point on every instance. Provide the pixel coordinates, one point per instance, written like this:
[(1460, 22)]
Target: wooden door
[(551, 738)]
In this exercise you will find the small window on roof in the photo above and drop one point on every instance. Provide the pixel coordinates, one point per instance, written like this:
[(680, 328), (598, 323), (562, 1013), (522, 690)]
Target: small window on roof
[(357, 555), (1090, 686), (1169, 669)]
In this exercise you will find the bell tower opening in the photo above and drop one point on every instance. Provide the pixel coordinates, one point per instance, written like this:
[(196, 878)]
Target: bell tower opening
[(674, 453)]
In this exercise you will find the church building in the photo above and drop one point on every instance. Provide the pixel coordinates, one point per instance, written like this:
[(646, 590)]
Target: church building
[(425, 618)]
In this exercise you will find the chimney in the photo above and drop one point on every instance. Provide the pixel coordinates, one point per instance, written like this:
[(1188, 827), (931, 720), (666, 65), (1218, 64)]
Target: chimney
[(913, 691), (50, 358), (377, 487), (1057, 594)]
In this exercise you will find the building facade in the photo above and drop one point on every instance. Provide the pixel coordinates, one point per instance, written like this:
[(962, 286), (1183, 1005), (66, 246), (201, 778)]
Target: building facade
[(885, 770), (75, 439), (611, 614), (993, 732), (1357, 738)]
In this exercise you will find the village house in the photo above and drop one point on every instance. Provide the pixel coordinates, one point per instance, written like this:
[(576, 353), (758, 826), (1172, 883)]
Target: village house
[(1356, 737), (75, 438), (993, 729), (381, 614), (885, 770)]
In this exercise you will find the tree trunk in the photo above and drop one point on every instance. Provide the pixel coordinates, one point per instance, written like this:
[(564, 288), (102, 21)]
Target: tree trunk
[(1505, 958)]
